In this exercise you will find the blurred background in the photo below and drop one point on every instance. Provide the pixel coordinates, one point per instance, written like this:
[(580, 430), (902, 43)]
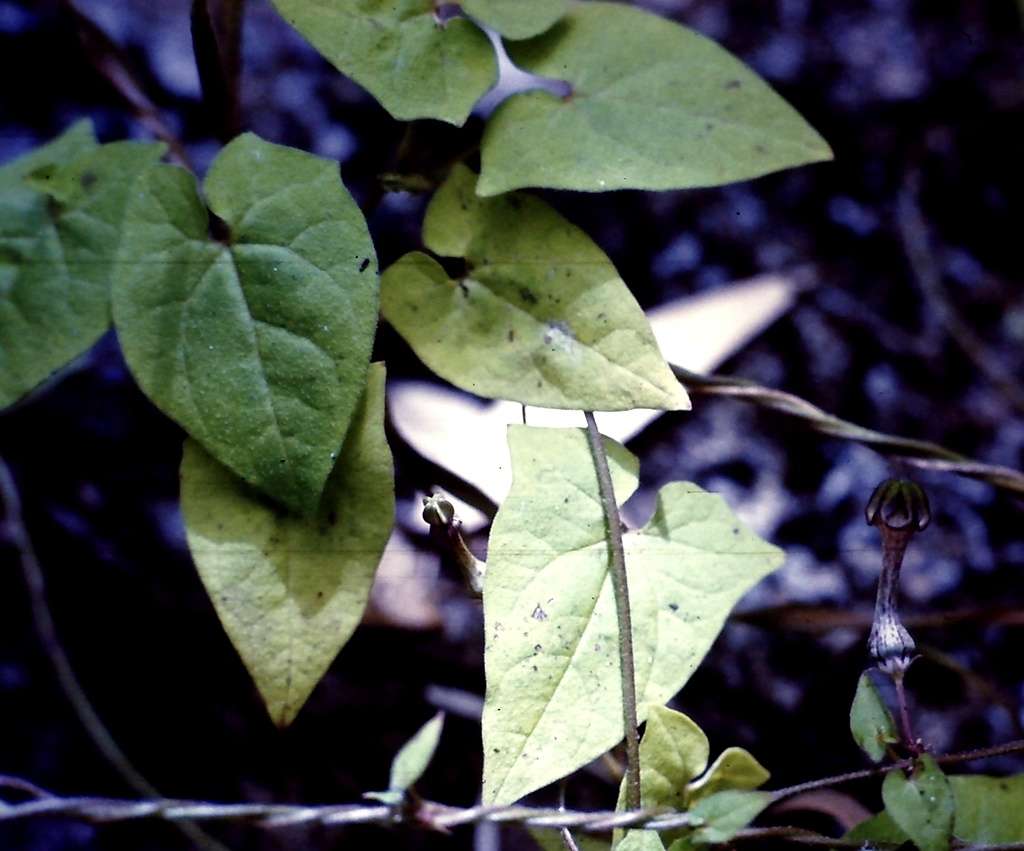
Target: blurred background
[(908, 317)]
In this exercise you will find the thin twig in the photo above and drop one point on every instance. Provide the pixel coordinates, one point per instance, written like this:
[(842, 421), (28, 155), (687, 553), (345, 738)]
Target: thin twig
[(567, 840), (1016, 746), (922, 454), (798, 617), (798, 835), (46, 631), (441, 816), (916, 244), (620, 585), (112, 64), (217, 51)]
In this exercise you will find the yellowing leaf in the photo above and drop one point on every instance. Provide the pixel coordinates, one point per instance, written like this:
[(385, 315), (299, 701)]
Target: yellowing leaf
[(399, 51), (257, 346), (291, 590), (553, 698), (540, 317), (653, 106)]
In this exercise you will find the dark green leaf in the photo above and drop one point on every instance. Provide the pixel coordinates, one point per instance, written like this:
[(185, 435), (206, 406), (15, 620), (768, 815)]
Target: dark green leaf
[(922, 804), (61, 216), (258, 346)]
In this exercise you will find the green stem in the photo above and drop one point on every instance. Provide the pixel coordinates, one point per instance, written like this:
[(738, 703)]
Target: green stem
[(620, 586)]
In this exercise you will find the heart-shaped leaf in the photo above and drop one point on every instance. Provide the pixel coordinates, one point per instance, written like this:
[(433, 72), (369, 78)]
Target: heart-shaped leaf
[(553, 698), (416, 64), (61, 215), (540, 317), (258, 345), (291, 590), (653, 106)]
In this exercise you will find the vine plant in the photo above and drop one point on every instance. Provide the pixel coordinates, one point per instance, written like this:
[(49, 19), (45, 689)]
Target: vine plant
[(246, 308)]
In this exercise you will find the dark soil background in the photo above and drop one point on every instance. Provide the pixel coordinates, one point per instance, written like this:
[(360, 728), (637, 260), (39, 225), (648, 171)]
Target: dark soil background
[(929, 91)]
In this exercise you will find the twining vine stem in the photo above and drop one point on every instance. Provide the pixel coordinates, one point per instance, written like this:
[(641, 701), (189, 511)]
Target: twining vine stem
[(620, 586), (443, 817), (46, 631), (922, 454)]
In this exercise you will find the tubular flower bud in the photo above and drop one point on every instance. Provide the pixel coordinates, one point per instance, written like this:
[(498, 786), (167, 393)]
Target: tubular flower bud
[(899, 509)]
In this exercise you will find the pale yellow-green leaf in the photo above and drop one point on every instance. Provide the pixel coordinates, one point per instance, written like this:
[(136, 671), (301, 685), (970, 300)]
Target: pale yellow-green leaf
[(673, 751), (400, 51), (553, 699), (414, 757), (735, 768), (653, 106), (540, 317), (517, 18), (291, 590)]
